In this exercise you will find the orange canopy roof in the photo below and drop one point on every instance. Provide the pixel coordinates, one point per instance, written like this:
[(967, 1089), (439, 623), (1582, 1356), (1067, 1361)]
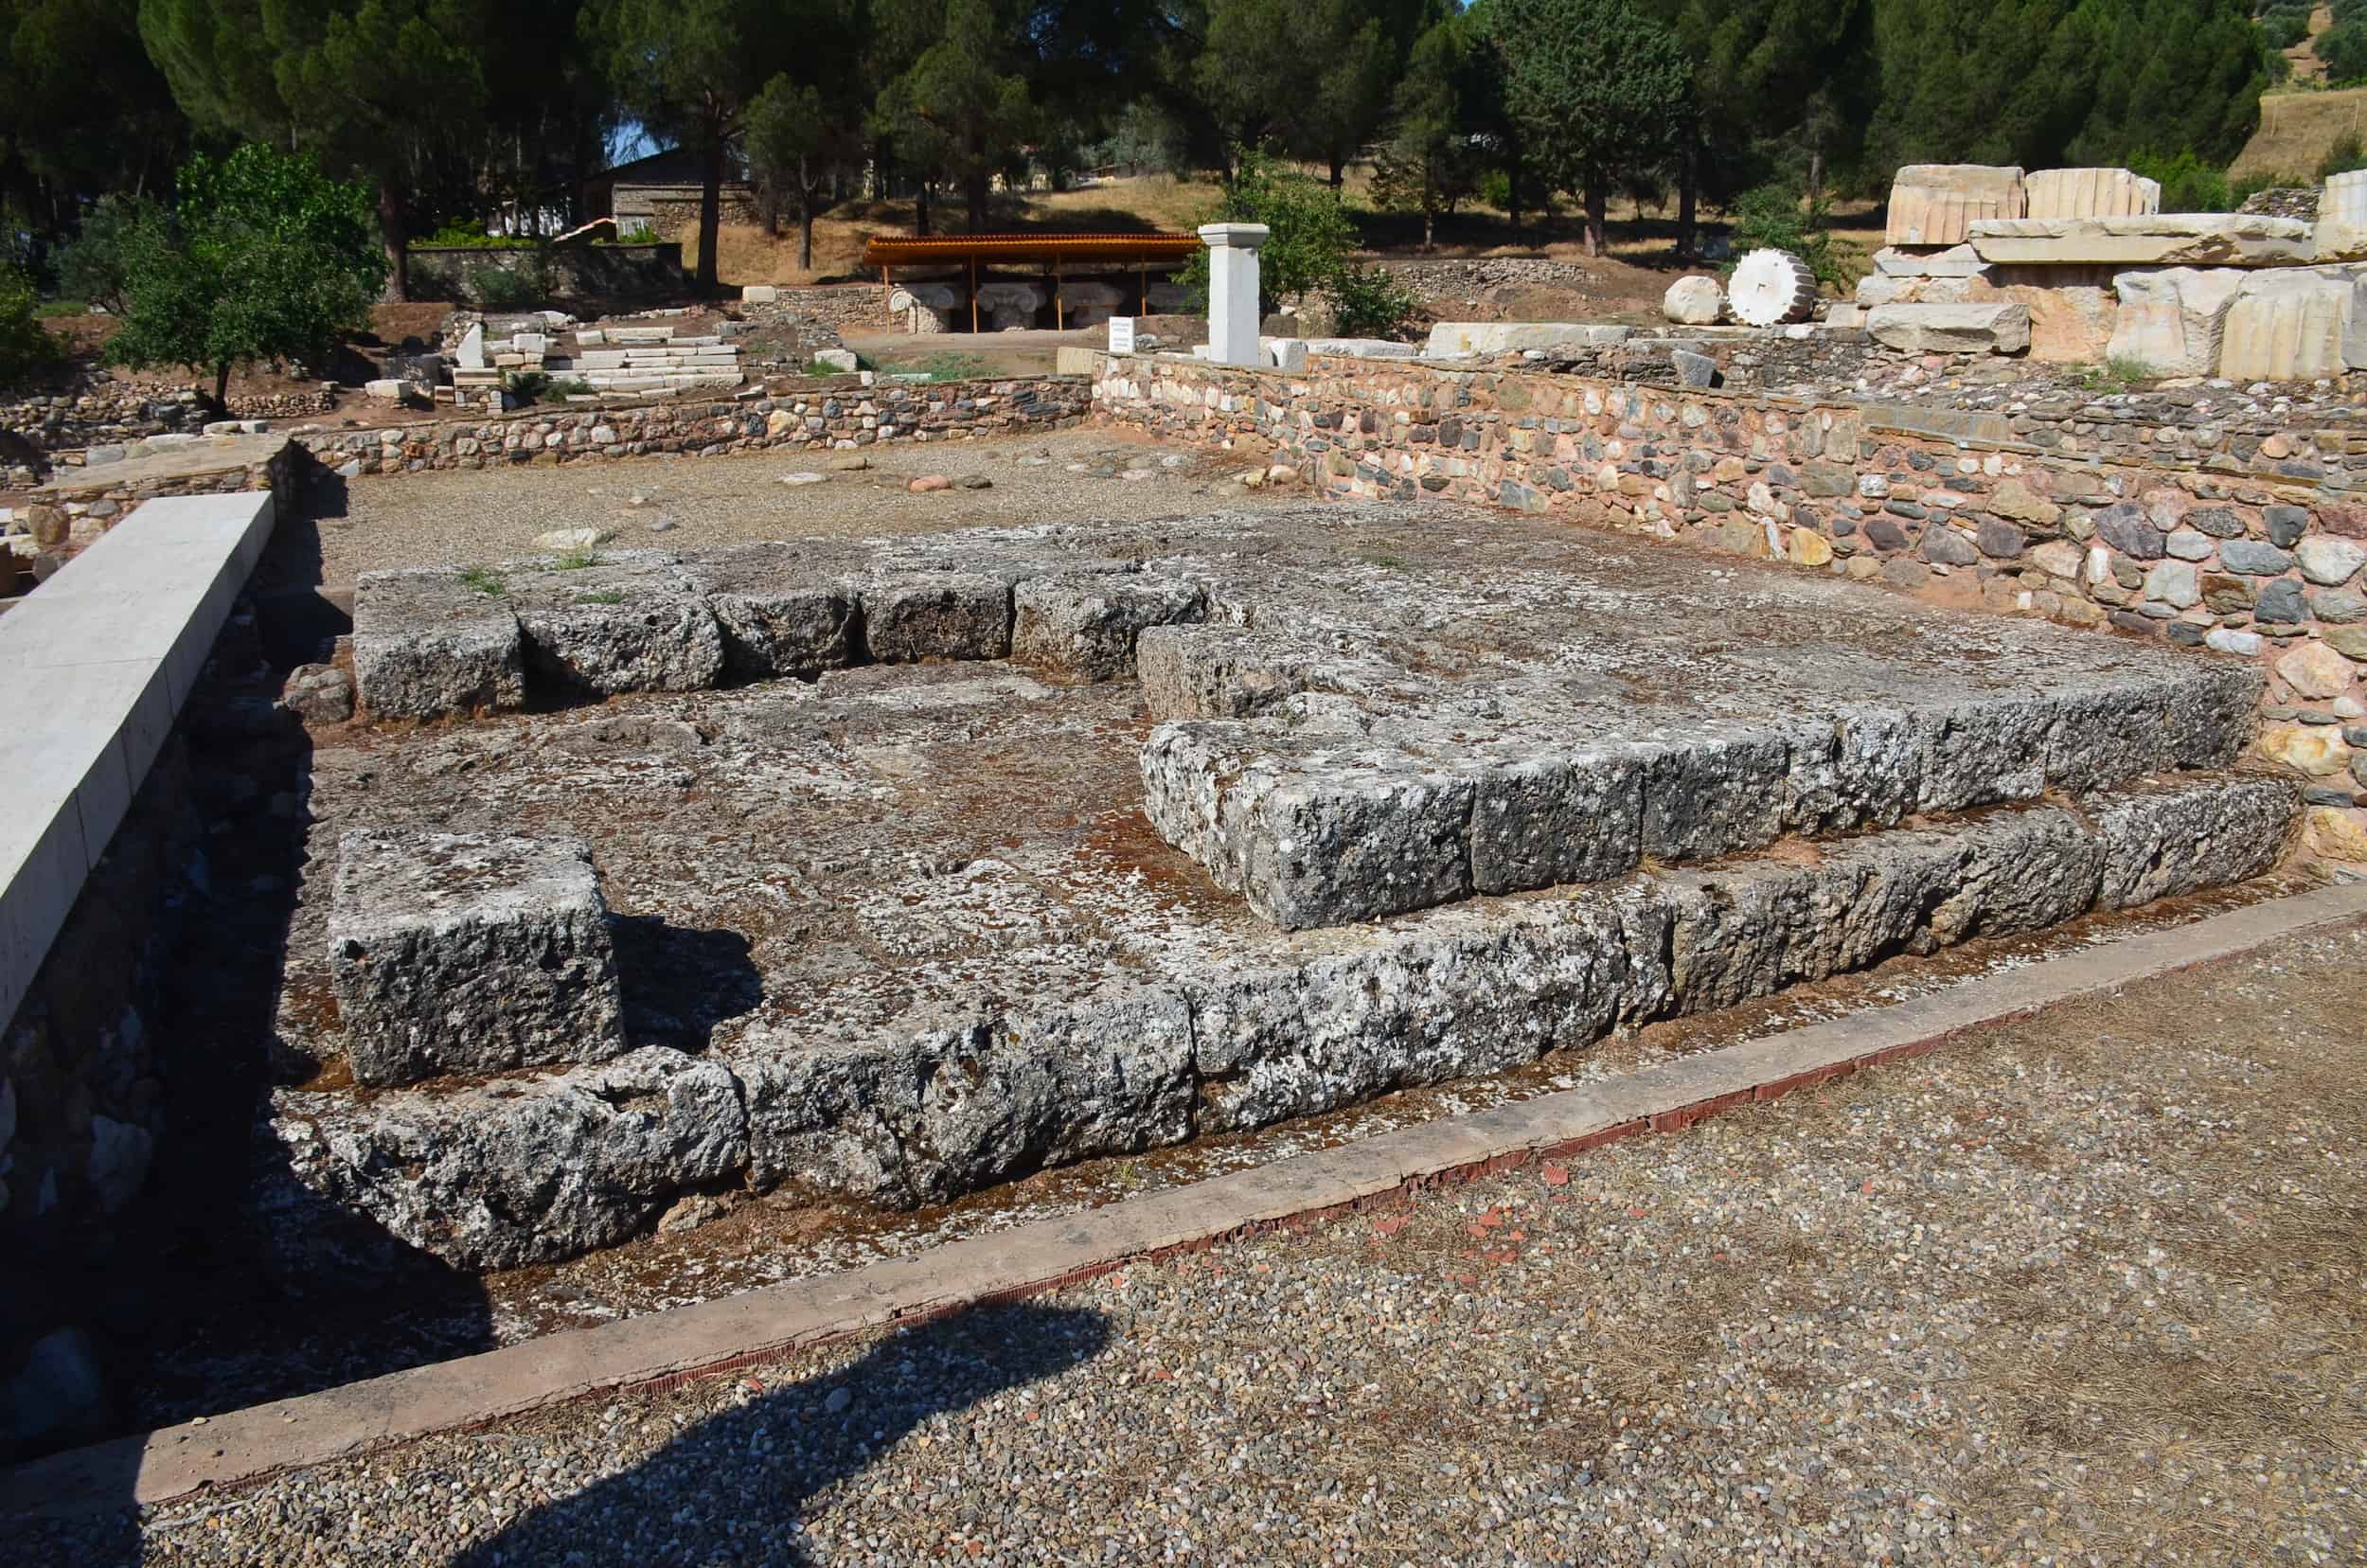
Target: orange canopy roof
[(886, 250)]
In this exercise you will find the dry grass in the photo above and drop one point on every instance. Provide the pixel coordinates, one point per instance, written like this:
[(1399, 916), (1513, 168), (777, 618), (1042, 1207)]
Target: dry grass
[(2298, 128)]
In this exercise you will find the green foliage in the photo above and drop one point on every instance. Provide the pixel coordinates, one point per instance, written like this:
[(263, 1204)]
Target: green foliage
[(1312, 234), (426, 280), (54, 309), (265, 259), (1430, 162), (1370, 302), (460, 234), (602, 596), (483, 580), (509, 289), (640, 234), (2238, 191), (563, 387), (2282, 29), (960, 113), (795, 138), (2344, 47), (525, 386), (2341, 158), (25, 347), (90, 266), (2188, 183), (1772, 217), (1595, 89), (576, 558)]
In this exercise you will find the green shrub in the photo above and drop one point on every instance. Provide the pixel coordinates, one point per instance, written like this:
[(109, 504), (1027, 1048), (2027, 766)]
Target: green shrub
[(2282, 29), (525, 386), (2344, 47), (50, 310), (1770, 216), (2343, 156), (640, 234), (2238, 191), (505, 289), (25, 347), (430, 282), (91, 265), (1370, 302), (462, 235), (2188, 183)]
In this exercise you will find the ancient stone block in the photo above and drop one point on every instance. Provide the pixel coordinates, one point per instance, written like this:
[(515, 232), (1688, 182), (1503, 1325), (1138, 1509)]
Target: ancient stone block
[(630, 621), (915, 615), (780, 612), (2160, 842), (1082, 625), (470, 953), (1206, 671), (1955, 261), (2162, 239), (2001, 327), (429, 643), (2287, 325), (1694, 301), (1937, 203), (1770, 287), (2089, 193), (2172, 322)]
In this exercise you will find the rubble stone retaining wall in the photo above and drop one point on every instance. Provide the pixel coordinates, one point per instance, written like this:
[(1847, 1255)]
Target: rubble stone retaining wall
[(2231, 534), (606, 272), (844, 416)]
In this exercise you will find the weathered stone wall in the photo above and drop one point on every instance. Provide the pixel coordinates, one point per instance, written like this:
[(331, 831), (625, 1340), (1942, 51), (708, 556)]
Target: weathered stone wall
[(844, 414), (80, 504), (842, 306), (2235, 535), (606, 272), (96, 410)]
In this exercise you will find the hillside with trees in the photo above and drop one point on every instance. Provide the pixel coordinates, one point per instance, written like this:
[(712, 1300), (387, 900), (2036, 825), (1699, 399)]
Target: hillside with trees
[(467, 114)]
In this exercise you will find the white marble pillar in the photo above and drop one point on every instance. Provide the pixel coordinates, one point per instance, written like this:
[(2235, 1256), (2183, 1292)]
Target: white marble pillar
[(1233, 291)]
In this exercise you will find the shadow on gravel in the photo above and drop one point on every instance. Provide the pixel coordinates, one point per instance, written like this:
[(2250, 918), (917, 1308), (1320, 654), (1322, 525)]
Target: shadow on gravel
[(735, 1487)]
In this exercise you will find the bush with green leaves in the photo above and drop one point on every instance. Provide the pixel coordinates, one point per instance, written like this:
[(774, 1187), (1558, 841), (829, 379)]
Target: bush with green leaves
[(27, 349), (505, 289), (1772, 217), (266, 260), (1309, 250), (2188, 183), (2344, 47), (462, 235), (2282, 29), (90, 266), (2341, 158)]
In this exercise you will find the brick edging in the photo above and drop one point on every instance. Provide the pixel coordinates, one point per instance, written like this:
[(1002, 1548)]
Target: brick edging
[(664, 1350)]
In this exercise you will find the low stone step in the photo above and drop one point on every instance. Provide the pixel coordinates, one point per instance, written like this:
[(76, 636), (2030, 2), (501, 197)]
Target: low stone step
[(1199, 1042)]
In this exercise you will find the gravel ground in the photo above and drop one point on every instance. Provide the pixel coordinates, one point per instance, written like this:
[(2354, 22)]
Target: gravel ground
[(460, 517), (2086, 1289)]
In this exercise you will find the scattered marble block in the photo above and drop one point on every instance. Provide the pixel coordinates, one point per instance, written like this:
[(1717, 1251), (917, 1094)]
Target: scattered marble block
[(915, 616), (780, 612), (2090, 193), (1938, 204), (2159, 239), (472, 348), (629, 621), (843, 360), (2287, 325), (1694, 301), (2171, 322), (2345, 198), (759, 293), (1951, 261), (1082, 626), (470, 954), (429, 643), (2001, 327)]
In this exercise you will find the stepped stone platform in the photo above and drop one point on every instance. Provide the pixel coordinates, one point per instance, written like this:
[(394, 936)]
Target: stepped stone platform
[(1212, 822)]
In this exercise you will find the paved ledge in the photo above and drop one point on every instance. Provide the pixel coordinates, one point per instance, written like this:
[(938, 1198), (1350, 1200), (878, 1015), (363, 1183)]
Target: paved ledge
[(99, 662), (742, 1330)]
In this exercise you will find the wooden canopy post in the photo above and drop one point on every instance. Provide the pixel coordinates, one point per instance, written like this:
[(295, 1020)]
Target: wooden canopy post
[(1060, 315), (973, 296), (1143, 271), (886, 293)]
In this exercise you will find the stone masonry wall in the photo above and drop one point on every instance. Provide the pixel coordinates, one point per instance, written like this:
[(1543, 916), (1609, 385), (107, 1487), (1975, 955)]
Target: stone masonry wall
[(845, 414), (2242, 539)]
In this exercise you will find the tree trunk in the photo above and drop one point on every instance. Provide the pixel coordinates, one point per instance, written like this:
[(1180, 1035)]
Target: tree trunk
[(1689, 200), (974, 198), (805, 237), (921, 209), (1598, 207), (710, 210), (393, 234), (1339, 169), (222, 390), (1430, 226), (1816, 173)]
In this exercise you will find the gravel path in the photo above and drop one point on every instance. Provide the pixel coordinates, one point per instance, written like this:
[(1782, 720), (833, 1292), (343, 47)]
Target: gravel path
[(2087, 1289), (460, 517)]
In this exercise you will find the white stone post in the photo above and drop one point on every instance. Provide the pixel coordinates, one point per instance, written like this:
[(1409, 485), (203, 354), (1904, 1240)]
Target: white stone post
[(1233, 291)]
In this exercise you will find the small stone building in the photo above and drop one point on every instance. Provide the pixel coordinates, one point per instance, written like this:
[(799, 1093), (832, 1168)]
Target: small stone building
[(662, 190)]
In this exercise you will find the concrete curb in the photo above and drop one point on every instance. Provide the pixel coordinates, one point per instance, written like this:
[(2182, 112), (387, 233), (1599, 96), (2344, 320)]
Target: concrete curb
[(713, 1337)]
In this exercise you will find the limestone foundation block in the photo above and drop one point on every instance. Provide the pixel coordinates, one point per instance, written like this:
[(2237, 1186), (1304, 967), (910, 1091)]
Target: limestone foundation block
[(2000, 327), (429, 643), (470, 954), (628, 622), (779, 614), (1082, 626), (1770, 287), (2171, 322), (759, 293), (2345, 198), (915, 615), (1937, 203), (2287, 325), (1497, 337), (2160, 239), (2090, 193), (1693, 301), (1952, 261)]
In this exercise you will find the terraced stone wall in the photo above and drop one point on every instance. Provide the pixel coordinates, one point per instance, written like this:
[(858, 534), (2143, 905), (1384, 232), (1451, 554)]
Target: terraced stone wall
[(2233, 534), (844, 416)]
